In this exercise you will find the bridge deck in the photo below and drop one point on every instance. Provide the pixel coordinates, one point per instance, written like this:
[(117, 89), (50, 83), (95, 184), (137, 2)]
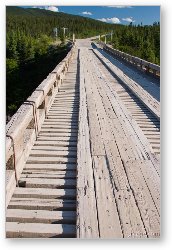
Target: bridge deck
[(93, 171), (46, 205)]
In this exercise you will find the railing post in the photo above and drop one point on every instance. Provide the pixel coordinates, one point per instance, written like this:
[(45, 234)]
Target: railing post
[(155, 69), (154, 72), (147, 68)]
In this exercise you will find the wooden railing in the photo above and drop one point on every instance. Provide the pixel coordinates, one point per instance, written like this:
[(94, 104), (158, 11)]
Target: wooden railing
[(138, 62), (22, 129)]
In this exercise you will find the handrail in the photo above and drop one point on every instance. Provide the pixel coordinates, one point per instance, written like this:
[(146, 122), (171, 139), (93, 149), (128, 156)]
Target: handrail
[(25, 124), (136, 61)]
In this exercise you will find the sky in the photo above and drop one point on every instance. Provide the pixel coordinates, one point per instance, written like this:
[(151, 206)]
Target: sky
[(112, 14)]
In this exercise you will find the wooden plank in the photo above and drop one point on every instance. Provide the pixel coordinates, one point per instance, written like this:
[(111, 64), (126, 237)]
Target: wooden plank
[(112, 153), (65, 110), (61, 124), (153, 133), (44, 174), (44, 193), (87, 223), (56, 143), (52, 167), (55, 148), (44, 153), (68, 103), (63, 116), (40, 216), (72, 105), (48, 137), (97, 146), (64, 98), (39, 230), (58, 134), (148, 126), (63, 102), (146, 205), (58, 129), (152, 180), (51, 159), (109, 223), (42, 204), (49, 175), (48, 183), (131, 221)]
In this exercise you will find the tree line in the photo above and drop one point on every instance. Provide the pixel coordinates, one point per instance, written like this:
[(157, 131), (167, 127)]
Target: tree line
[(30, 55), (140, 41)]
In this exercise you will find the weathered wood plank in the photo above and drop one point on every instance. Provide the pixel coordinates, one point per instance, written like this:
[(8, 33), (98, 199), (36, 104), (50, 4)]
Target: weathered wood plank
[(112, 153), (87, 224), (48, 183), (131, 221), (39, 230), (97, 146), (47, 137), (44, 193), (109, 223), (42, 204), (58, 129), (152, 180), (51, 159), (52, 167), (40, 216), (55, 148), (55, 143), (48, 174), (147, 208), (58, 134), (44, 153)]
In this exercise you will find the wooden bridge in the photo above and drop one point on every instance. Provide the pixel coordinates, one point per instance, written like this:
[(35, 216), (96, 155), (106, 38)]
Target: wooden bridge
[(83, 152)]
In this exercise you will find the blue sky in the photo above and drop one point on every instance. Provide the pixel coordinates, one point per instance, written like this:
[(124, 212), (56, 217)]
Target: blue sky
[(112, 14)]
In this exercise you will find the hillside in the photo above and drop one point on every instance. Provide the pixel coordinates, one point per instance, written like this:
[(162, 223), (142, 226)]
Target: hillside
[(28, 47), (38, 20), (30, 36)]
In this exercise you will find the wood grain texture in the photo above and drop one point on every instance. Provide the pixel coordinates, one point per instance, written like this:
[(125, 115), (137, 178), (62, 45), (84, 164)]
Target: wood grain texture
[(93, 171)]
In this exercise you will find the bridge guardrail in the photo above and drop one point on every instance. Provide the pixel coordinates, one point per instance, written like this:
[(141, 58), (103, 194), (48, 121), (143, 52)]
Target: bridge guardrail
[(138, 62), (22, 129)]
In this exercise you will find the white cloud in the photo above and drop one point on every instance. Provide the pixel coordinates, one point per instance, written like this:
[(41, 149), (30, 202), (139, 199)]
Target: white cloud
[(86, 13), (120, 6), (110, 20), (128, 19), (102, 19), (51, 8)]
